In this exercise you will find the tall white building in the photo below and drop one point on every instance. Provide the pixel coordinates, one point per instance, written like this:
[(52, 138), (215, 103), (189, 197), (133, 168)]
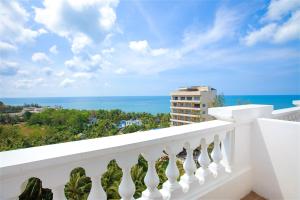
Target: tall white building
[(190, 104)]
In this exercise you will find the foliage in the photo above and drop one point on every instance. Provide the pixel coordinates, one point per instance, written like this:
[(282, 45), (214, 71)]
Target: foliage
[(9, 119), (219, 101), (79, 185), (35, 191), (53, 126), (10, 109)]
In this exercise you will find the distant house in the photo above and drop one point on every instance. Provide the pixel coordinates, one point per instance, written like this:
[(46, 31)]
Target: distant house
[(124, 123), (93, 120), (31, 110)]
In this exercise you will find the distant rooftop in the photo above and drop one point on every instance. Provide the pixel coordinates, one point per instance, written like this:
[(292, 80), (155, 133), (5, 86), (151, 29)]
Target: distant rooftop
[(192, 89)]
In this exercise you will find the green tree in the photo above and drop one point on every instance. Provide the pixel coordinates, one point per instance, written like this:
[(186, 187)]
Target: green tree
[(79, 185), (219, 101), (27, 115), (35, 191)]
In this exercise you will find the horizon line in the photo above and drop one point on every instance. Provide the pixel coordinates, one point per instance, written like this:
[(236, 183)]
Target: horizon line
[(141, 96)]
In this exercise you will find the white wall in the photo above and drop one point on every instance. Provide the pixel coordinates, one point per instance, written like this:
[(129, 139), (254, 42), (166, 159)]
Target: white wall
[(275, 159)]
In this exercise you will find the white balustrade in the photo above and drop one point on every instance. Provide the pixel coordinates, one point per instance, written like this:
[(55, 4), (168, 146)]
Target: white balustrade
[(151, 179), (172, 188), (189, 179), (126, 187), (288, 114), (95, 172), (216, 154), (228, 150), (204, 173), (53, 163)]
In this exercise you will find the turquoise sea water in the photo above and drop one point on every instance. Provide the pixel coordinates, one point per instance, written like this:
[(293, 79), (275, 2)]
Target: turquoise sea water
[(151, 104)]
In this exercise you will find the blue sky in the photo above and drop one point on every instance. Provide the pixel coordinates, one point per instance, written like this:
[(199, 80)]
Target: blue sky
[(131, 47)]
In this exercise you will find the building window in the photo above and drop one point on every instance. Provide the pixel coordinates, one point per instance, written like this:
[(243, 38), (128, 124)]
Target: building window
[(197, 105), (189, 98), (197, 98), (182, 98), (203, 105), (175, 98), (203, 112)]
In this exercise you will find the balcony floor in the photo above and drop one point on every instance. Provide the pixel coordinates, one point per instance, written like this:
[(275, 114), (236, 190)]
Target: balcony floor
[(253, 196)]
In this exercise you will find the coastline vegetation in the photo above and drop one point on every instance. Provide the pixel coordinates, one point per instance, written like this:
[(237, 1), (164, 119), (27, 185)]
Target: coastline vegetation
[(53, 126), (19, 129)]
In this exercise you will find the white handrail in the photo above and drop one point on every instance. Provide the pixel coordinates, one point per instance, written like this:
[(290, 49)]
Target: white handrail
[(53, 163)]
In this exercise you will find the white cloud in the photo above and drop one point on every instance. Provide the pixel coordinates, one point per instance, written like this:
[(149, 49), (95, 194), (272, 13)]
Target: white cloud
[(159, 52), (13, 23), (280, 8), (53, 49), (42, 31), (144, 47), (265, 33), (83, 75), (6, 47), (289, 30), (120, 71), (60, 74), (224, 27), (276, 32), (92, 63), (108, 51), (139, 46), (108, 17), (8, 68), (39, 57), (66, 82), (28, 83), (48, 71), (68, 18), (79, 42), (23, 72)]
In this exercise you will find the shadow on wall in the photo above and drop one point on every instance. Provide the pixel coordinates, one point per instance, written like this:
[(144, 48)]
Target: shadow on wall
[(275, 149)]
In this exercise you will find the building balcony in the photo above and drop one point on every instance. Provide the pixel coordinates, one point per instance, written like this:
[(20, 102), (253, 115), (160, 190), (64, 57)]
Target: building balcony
[(182, 121), (184, 101), (184, 108), (255, 149), (186, 114)]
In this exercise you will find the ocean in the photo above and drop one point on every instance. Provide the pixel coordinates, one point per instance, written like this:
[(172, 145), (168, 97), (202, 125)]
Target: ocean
[(151, 104)]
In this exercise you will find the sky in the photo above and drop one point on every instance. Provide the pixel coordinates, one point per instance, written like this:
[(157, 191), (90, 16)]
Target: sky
[(141, 47)]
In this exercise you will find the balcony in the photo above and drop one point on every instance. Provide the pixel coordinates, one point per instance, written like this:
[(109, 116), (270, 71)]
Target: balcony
[(186, 114), (185, 107), (184, 101), (254, 149)]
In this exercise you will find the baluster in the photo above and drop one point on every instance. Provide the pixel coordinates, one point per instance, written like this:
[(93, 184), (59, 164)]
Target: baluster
[(228, 150), (95, 171), (189, 179), (59, 192), (151, 179), (126, 187), (216, 155), (171, 188), (97, 192), (203, 173)]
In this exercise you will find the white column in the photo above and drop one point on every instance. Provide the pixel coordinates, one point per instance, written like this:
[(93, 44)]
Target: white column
[(171, 188), (151, 179), (203, 173), (216, 155), (97, 192), (94, 170), (189, 179), (228, 150), (126, 187)]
